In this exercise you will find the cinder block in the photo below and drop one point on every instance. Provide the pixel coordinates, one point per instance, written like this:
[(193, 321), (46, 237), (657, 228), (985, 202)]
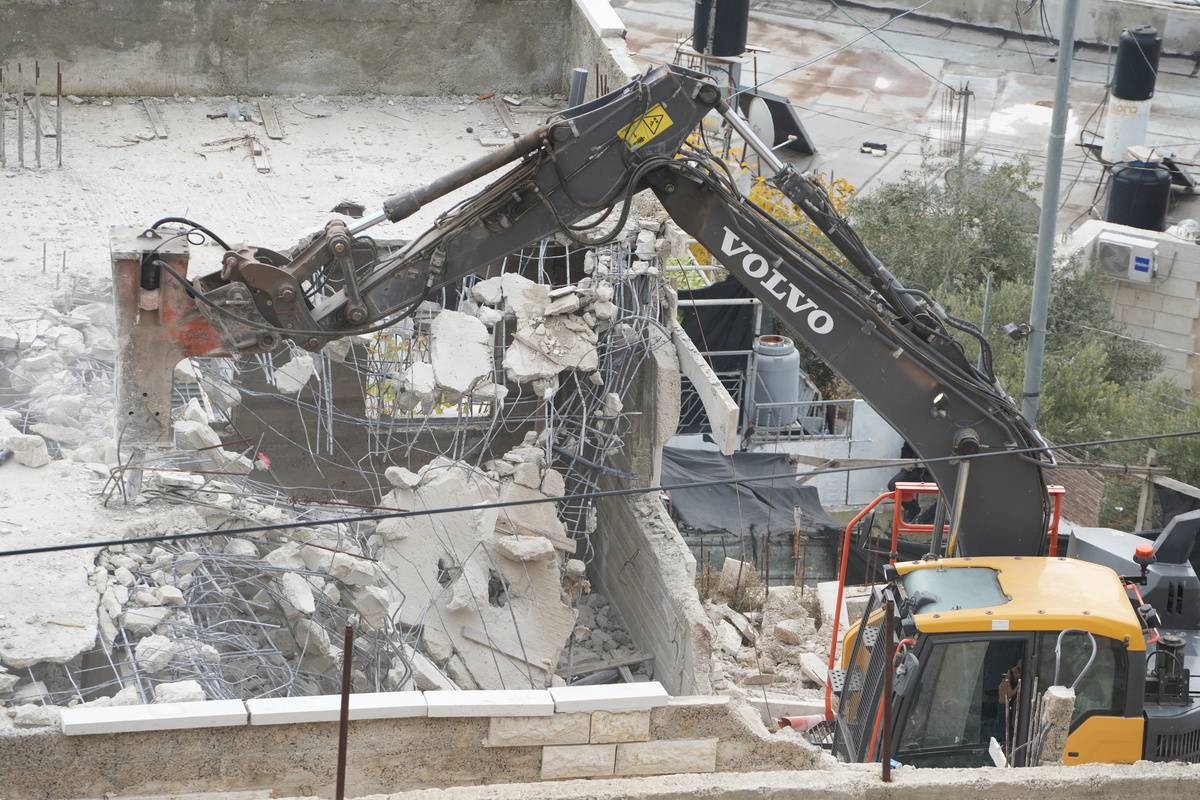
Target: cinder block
[(154, 717), (610, 697), (490, 703), (667, 757), (622, 726), (578, 761), (328, 707), (526, 731)]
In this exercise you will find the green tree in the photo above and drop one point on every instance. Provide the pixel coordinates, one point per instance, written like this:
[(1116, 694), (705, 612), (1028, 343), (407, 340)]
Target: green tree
[(938, 233), (1098, 382)]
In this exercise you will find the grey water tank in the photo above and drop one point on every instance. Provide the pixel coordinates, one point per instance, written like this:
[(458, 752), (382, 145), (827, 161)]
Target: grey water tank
[(776, 380)]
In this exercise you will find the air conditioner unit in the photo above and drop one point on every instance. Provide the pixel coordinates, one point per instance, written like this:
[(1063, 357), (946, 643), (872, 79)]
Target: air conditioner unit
[(1126, 257)]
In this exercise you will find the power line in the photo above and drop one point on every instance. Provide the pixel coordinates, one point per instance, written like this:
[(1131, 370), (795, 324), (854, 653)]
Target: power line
[(883, 464)]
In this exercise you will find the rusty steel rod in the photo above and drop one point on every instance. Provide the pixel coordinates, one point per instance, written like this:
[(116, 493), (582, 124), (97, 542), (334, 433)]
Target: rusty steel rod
[(20, 117), (3, 114), (885, 746), (37, 113), (344, 718), (58, 115)]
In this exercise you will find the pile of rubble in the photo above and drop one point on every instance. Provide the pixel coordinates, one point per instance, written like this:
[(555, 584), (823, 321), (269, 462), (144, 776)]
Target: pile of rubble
[(481, 597), (772, 639)]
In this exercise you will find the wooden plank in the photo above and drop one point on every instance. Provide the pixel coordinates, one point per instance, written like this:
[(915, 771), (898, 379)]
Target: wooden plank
[(1176, 486), (155, 114), (588, 667), (45, 118), (259, 154), (270, 119), (505, 115)]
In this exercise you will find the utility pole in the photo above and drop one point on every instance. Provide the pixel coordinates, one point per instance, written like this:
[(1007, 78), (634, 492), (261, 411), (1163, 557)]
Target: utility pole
[(964, 99), (1046, 228)]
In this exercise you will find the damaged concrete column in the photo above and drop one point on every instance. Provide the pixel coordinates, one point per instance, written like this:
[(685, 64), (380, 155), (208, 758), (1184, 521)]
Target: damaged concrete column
[(1058, 708)]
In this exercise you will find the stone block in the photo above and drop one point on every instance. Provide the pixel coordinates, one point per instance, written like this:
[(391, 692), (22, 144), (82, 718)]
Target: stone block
[(557, 729), (622, 726), (612, 697), (578, 761), (666, 757), (491, 703), (328, 707), (81, 721)]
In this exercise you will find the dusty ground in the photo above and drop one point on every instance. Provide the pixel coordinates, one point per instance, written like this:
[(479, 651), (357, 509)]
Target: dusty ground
[(361, 149)]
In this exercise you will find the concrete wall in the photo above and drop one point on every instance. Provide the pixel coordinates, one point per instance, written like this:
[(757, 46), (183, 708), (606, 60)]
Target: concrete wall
[(1165, 311), (1099, 21), (416, 47), (642, 563), (389, 755), (596, 42)]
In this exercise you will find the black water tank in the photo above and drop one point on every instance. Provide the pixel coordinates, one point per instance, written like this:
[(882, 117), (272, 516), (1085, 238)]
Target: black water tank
[(1137, 63), (729, 28), (1139, 195)]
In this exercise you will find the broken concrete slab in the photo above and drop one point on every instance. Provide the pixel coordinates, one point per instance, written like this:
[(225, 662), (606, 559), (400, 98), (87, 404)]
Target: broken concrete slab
[(523, 297), (192, 435), (461, 352)]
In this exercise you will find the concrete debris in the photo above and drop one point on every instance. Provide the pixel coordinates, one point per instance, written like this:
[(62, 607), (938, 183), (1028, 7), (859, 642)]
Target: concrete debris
[(194, 412), (35, 716), (154, 653), (419, 386), (179, 692), (143, 621), (461, 352), (523, 297), (542, 349), (191, 435), (794, 631), (295, 374), (401, 477), (372, 605), (28, 449), (737, 577)]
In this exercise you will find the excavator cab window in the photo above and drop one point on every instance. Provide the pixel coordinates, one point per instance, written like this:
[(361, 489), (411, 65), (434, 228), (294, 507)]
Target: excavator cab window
[(969, 691)]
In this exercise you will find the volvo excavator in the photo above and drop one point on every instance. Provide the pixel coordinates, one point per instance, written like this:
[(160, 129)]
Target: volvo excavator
[(954, 652)]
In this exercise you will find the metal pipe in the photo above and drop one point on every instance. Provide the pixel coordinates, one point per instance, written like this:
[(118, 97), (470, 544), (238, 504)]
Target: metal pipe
[(577, 89), (885, 746), (960, 493), (58, 115), (37, 114), (402, 206), (751, 138), (939, 526), (1046, 227), (3, 114), (344, 718), (722, 301), (20, 116)]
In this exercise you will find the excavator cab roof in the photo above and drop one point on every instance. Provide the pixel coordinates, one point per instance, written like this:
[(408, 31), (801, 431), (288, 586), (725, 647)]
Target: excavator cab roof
[(1018, 593)]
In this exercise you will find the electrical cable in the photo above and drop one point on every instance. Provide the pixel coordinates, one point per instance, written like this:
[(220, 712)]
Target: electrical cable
[(86, 545)]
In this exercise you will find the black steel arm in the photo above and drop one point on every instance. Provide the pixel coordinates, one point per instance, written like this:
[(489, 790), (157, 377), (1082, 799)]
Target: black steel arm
[(889, 343)]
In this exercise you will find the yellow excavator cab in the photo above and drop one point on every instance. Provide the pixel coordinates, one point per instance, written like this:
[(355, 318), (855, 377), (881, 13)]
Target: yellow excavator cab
[(980, 640)]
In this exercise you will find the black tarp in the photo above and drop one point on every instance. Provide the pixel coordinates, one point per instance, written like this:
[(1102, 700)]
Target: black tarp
[(761, 506), (753, 522), (719, 328)]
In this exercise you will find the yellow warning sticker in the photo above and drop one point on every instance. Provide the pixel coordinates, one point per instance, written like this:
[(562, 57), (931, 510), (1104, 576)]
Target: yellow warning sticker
[(645, 127)]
